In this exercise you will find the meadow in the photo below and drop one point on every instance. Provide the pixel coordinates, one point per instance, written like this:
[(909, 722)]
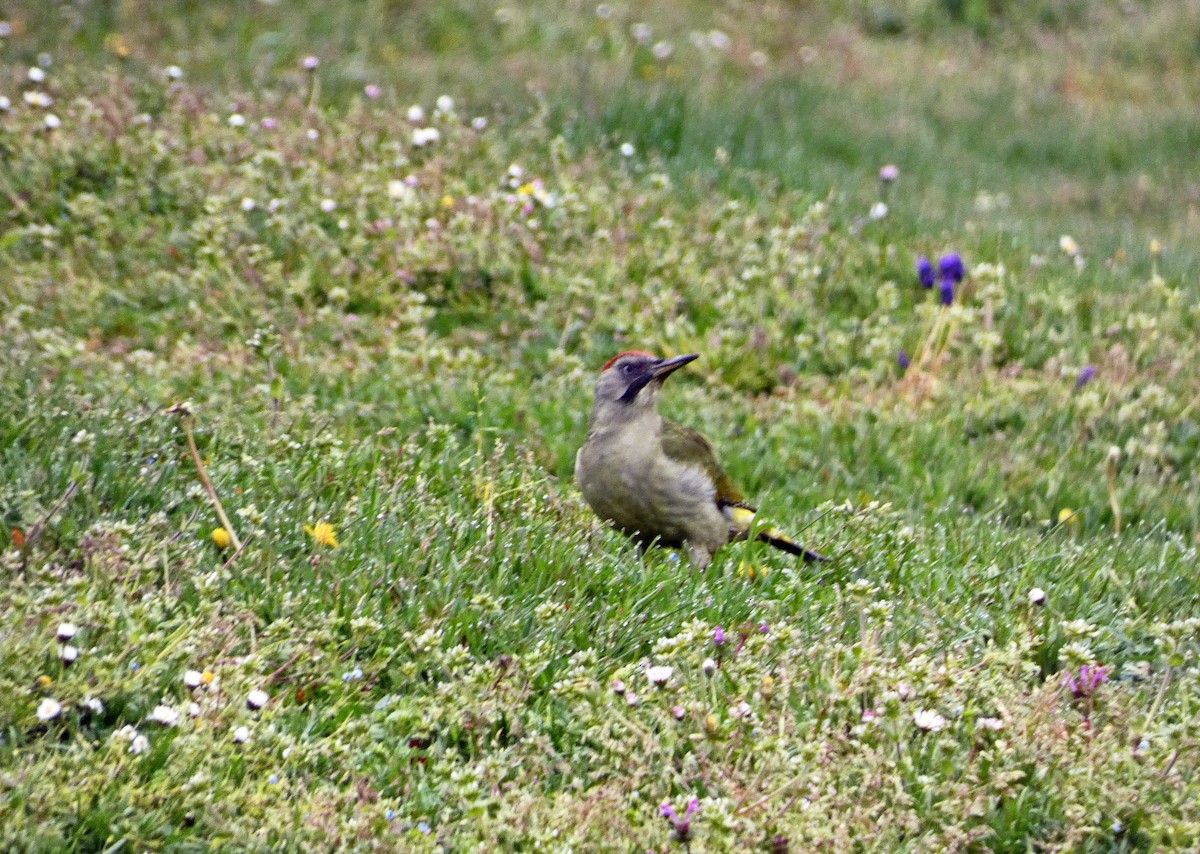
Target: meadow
[(344, 275)]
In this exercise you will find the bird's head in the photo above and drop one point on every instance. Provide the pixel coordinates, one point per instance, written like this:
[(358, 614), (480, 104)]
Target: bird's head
[(634, 378)]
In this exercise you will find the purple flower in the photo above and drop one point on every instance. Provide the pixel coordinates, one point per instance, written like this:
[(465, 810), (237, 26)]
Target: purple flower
[(719, 636), (1085, 376), (682, 826), (947, 290), (903, 359), (924, 272), (952, 267), (1085, 684)]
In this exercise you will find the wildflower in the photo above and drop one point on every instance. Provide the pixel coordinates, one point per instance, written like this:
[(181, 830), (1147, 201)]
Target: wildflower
[(49, 709), (659, 674), (69, 653), (878, 211), (237, 120), (627, 149), (415, 114), (929, 720), (681, 826), (709, 667), (1090, 678), (164, 715), (1068, 245), (889, 173), (36, 75), (241, 735), (323, 534), (372, 91), (1085, 376), (925, 273), (1037, 596), (719, 636), (423, 136), (444, 104), (328, 205), (257, 698), (66, 631), (952, 267), (221, 537), (310, 63)]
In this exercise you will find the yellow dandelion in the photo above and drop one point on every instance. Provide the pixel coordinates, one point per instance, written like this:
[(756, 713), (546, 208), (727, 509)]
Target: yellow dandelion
[(221, 537), (323, 534)]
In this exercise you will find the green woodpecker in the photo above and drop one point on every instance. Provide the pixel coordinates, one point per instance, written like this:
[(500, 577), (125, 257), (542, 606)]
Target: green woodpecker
[(656, 480)]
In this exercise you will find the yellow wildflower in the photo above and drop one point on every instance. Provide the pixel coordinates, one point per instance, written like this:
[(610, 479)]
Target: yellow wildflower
[(221, 537), (323, 534)]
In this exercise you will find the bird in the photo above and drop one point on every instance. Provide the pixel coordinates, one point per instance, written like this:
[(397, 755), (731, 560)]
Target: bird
[(656, 480)]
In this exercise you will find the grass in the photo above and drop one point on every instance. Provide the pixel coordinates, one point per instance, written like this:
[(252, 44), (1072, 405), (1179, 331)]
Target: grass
[(400, 340)]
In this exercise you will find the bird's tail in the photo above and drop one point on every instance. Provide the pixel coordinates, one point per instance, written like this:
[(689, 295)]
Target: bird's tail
[(741, 517)]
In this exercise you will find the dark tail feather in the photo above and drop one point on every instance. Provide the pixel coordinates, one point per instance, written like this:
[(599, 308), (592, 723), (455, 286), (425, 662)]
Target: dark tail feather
[(779, 541)]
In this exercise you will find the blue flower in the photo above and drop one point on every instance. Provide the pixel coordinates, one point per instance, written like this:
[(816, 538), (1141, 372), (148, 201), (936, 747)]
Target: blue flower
[(1085, 376), (952, 267), (924, 272), (947, 290)]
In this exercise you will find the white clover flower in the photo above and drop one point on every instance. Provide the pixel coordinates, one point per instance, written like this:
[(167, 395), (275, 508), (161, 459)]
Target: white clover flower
[(659, 674), (164, 715), (627, 149), (49, 709), (878, 211), (241, 735), (719, 40), (929, 720), (34, 98), (66, 631), (69, 653), (191, 678), (423, 136), (36, 75), (415, 114), (173, 72), (237, 120), (257, 698), (444, 104), (1037, 596), (328, 205)]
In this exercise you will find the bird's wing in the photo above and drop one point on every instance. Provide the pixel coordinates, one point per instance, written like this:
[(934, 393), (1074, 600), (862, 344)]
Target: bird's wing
[(690, 447)]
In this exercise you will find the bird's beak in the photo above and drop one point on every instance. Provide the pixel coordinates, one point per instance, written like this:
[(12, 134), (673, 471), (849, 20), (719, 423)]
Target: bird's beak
[(666, 367)]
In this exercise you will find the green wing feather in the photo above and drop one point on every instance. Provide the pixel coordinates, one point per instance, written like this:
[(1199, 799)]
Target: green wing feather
[(689, 446)]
